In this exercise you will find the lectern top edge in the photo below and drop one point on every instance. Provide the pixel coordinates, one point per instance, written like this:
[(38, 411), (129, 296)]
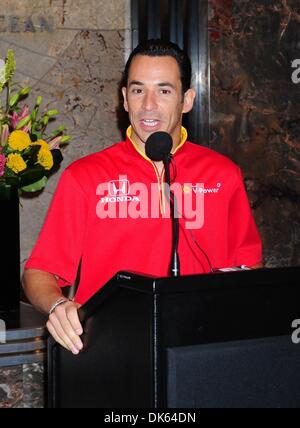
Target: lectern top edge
[(266, 277), (255, 277)]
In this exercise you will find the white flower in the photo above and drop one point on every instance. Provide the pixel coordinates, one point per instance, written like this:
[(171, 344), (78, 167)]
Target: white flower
[(2, 72)]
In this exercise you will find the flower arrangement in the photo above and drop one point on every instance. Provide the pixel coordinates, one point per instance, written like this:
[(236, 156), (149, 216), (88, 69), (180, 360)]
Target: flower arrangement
[(28, 156)]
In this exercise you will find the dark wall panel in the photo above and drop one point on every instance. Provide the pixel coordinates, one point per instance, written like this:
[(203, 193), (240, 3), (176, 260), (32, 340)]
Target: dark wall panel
[(245, 56), (183, 22), (255, 112)]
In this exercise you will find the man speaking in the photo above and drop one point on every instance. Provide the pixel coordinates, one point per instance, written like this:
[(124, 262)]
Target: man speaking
[(110, 209)]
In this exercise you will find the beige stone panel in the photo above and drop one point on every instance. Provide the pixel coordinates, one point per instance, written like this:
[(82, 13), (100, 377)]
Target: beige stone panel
[(47, 44), (83, 85), (30, 65), (74, 14), (95, 14), (93, 57), (75, 64)]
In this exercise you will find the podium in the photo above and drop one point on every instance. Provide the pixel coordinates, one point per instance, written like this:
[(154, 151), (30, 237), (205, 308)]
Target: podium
[(215, 340)]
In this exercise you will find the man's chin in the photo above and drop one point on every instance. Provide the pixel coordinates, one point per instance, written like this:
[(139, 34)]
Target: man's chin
[(141, 135)]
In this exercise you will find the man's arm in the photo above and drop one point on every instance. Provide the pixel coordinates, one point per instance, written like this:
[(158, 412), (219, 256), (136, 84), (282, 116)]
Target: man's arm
[(43, 291)]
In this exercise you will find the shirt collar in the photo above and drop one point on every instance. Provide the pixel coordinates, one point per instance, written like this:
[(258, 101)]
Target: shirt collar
[(183, 139)]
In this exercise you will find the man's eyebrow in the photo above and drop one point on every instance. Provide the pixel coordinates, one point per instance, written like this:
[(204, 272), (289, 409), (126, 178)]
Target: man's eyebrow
[(136, 82), (160, 84), (168, 84)]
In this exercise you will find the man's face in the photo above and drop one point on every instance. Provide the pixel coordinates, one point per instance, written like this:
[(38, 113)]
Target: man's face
[(153, 98)]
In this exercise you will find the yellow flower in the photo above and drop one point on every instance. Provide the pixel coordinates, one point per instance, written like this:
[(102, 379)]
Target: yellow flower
[(19, 140), (45, 158), (41, 143), (16, 163)]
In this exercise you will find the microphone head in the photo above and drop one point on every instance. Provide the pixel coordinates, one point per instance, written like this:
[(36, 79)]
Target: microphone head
[(158, 146)]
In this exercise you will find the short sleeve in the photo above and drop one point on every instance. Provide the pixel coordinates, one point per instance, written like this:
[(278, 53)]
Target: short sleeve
[(59, 246), (244, 243)]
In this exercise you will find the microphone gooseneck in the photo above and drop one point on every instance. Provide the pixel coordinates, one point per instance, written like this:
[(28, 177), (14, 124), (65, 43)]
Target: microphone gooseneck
[(158, 148)]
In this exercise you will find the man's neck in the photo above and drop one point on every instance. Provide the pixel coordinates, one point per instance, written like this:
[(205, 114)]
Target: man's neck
[(141, 147)]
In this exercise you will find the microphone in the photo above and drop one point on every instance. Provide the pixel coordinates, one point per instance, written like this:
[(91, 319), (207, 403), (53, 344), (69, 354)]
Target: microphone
[(158, 148)]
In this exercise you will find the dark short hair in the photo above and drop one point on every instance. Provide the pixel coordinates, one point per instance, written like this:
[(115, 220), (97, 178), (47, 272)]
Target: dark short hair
[(157, 47)]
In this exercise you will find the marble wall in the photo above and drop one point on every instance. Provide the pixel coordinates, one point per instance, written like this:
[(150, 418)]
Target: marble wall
[(23, 386), (255, 111), (71, 52)]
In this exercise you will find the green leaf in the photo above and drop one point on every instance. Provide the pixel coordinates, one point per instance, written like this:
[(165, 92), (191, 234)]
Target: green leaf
[(58, 131), (34, 114), (53, 112), (39, 100), (35, 187), (65, 139), (10, 65), (24, 122), (7, 150), (57, 159), (13, 100), (25, 91), (32, 175), (30, 155), (45, 120)]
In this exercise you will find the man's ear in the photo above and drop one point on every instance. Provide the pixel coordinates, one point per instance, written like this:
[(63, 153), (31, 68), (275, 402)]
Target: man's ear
[(188, 100), (125, 104)]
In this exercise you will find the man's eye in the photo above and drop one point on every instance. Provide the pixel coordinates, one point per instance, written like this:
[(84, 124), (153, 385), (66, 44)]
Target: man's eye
[(165, 91), (137, 91)]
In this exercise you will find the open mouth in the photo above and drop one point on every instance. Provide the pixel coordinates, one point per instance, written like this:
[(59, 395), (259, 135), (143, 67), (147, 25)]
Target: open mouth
[(149, 124)]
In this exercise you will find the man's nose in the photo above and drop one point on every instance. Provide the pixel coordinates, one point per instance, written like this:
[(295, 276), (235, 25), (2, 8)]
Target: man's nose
[(149, 101)]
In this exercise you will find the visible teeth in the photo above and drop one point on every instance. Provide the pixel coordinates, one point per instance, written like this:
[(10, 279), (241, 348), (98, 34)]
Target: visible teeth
[(150, 122)]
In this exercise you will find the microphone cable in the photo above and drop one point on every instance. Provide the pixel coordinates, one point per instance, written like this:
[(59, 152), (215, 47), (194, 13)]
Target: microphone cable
[(194, 240)]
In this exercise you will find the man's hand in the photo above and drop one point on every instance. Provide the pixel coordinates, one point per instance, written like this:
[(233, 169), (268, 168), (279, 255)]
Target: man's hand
[(65, 327), (43, 291)]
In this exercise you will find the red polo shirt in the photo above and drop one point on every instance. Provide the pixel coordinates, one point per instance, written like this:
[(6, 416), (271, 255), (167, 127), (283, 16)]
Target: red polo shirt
[(109, 210)]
